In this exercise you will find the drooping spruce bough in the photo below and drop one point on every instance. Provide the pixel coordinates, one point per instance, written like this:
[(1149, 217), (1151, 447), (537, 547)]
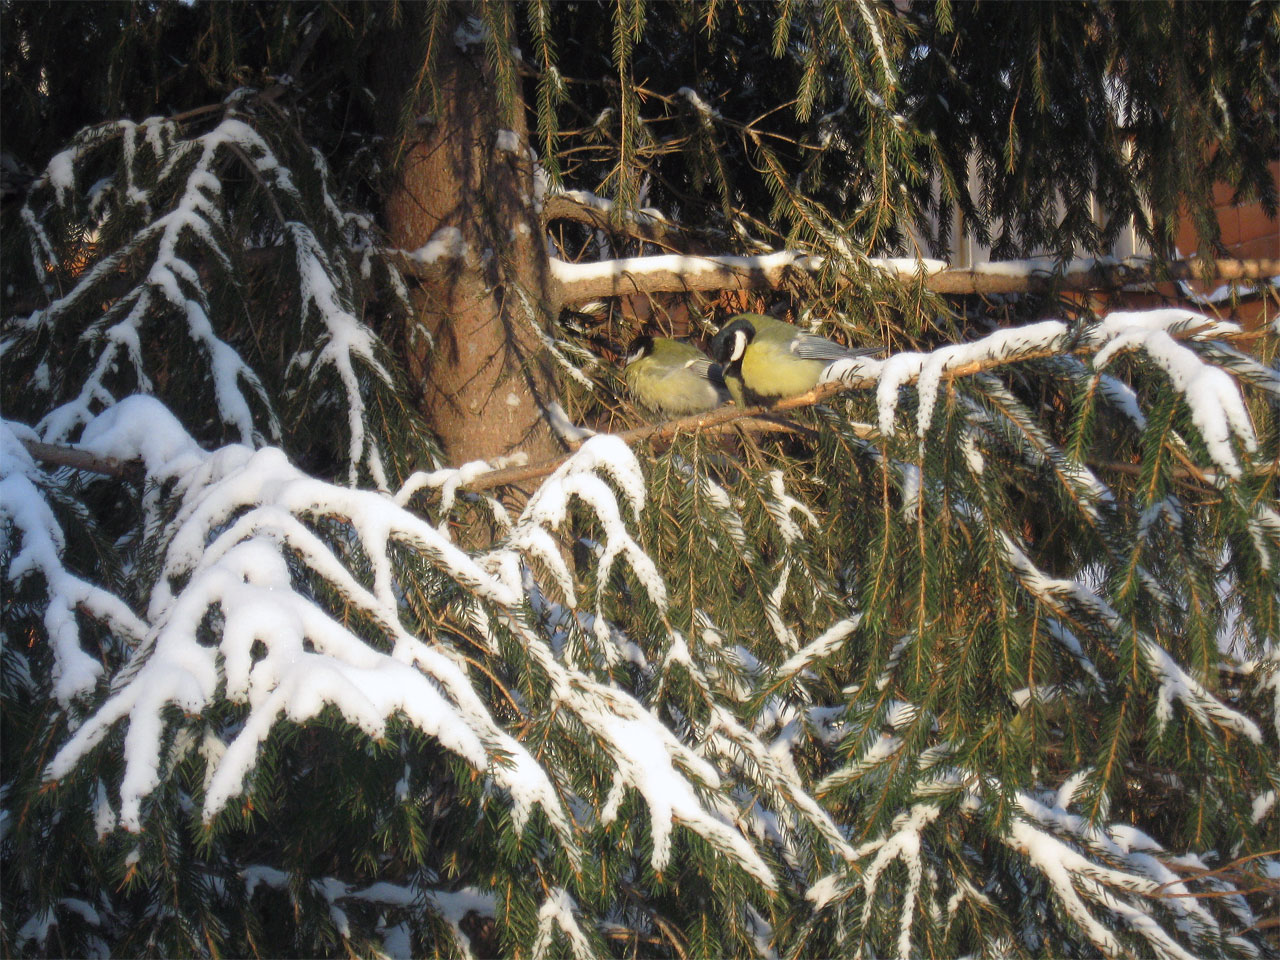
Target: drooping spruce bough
[(983, 660)]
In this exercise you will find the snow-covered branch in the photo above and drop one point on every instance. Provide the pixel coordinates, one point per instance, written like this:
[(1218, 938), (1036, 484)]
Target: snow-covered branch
[(1014, 345), (246, 537), (580, 282), (181, 274)]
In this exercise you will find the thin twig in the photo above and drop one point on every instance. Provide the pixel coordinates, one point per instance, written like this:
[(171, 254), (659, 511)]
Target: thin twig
[(1201, 874), (761, 419)]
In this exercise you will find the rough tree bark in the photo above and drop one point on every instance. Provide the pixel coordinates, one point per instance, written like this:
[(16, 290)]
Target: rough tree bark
[(485, 383)]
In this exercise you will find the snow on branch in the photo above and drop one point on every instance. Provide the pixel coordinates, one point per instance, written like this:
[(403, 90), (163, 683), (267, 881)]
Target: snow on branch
[(33, 543), (1217, 406), (1036, 341), (903, 843), (1100, 874), (175, 275), (237, 556), (346, 340), (1127, 869), (557, 912), (171, 281), (240, 511), (1173, 682), (581, 282)]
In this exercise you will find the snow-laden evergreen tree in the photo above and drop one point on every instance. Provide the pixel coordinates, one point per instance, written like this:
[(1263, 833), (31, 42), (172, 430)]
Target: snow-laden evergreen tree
[(974, 650)]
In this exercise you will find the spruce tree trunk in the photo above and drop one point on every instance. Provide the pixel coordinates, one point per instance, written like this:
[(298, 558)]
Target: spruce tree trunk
[(486, 381)]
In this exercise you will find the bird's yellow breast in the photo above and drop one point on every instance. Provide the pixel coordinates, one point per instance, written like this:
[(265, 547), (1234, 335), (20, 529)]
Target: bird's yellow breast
[(773, 372), (674, 390)]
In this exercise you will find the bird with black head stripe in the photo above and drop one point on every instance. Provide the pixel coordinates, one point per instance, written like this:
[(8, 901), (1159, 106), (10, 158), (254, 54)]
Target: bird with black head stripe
[(770, 359)]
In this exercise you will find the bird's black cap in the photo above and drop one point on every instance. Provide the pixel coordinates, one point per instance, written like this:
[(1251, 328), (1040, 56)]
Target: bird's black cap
[(641, 346), (722, 342)]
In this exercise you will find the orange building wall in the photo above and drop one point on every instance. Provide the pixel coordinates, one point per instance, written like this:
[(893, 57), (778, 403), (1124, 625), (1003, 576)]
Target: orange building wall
[(1246, 231), (1247, 234)]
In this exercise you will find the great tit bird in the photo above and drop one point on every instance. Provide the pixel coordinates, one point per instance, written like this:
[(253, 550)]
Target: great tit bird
[(673, 378), (774, 359)]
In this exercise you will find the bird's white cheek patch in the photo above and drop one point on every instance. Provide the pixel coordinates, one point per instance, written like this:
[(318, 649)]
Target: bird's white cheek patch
[(739, 345)]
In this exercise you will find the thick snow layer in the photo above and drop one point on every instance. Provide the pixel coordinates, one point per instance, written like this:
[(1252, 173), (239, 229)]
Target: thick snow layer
[(1169, 319), (278, 651), (142, 426), (14, 458), (690, 265), (42, 545), (928, 369), (569, 273), (244, 524), (1217, 406), (61, 174), (1211, 392)]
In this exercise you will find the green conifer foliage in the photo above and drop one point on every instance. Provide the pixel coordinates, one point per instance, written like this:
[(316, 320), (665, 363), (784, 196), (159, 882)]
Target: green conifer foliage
[(977, 653)]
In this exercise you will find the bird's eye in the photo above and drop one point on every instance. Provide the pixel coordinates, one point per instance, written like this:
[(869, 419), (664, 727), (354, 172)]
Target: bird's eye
[(739, 345)]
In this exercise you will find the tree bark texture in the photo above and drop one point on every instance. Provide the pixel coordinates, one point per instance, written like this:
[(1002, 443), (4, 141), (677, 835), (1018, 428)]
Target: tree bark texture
[(487, 379)]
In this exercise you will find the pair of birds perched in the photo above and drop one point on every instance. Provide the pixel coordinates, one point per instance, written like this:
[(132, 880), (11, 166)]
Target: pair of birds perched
[(758, 360)]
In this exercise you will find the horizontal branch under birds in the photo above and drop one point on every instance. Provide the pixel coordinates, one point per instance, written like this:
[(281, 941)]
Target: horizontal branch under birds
[(723, 416), (758, 418)]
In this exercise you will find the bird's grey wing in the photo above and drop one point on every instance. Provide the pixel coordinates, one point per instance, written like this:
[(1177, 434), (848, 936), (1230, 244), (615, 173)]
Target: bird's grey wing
[(705, 369), (808, 347)]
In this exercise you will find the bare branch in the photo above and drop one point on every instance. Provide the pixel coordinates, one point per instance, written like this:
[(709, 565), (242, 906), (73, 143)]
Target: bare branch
[(67, 456), (639, 226), (1021, 277), (754, 419)]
